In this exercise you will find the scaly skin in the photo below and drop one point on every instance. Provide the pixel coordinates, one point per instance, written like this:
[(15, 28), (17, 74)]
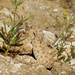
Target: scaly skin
[(46, 59), (34, 41), (40, 50)]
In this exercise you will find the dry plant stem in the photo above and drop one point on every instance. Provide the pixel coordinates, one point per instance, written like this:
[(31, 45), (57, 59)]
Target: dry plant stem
[(7, 50), (2, 49)]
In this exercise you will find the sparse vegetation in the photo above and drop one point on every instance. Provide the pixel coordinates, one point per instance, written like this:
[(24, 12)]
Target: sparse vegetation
[(64, 38), (10, 37)]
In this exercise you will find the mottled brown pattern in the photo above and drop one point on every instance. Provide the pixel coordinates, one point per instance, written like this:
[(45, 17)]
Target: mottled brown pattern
[(41, 51)]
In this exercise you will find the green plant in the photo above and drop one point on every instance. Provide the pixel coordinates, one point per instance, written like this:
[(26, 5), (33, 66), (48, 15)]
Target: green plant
[(11, 38), (72, 50), (66, 29), (64, 39)]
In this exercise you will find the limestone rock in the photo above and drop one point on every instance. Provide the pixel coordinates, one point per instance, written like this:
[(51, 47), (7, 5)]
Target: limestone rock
[(21, 65), (72, 63), (6, 12), (49, 37), (62, 69)]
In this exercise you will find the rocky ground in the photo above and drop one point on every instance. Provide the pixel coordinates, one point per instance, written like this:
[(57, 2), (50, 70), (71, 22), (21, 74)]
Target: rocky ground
[(41, 9), (27, 65)]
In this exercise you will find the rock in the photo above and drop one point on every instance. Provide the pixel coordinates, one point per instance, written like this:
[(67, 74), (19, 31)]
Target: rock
[(45, 8), (21, 65), (62, 69), (28, 65), (46, 22), (6, 12), (55, 10), (72, 63), (66, 3), (49, 38)]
